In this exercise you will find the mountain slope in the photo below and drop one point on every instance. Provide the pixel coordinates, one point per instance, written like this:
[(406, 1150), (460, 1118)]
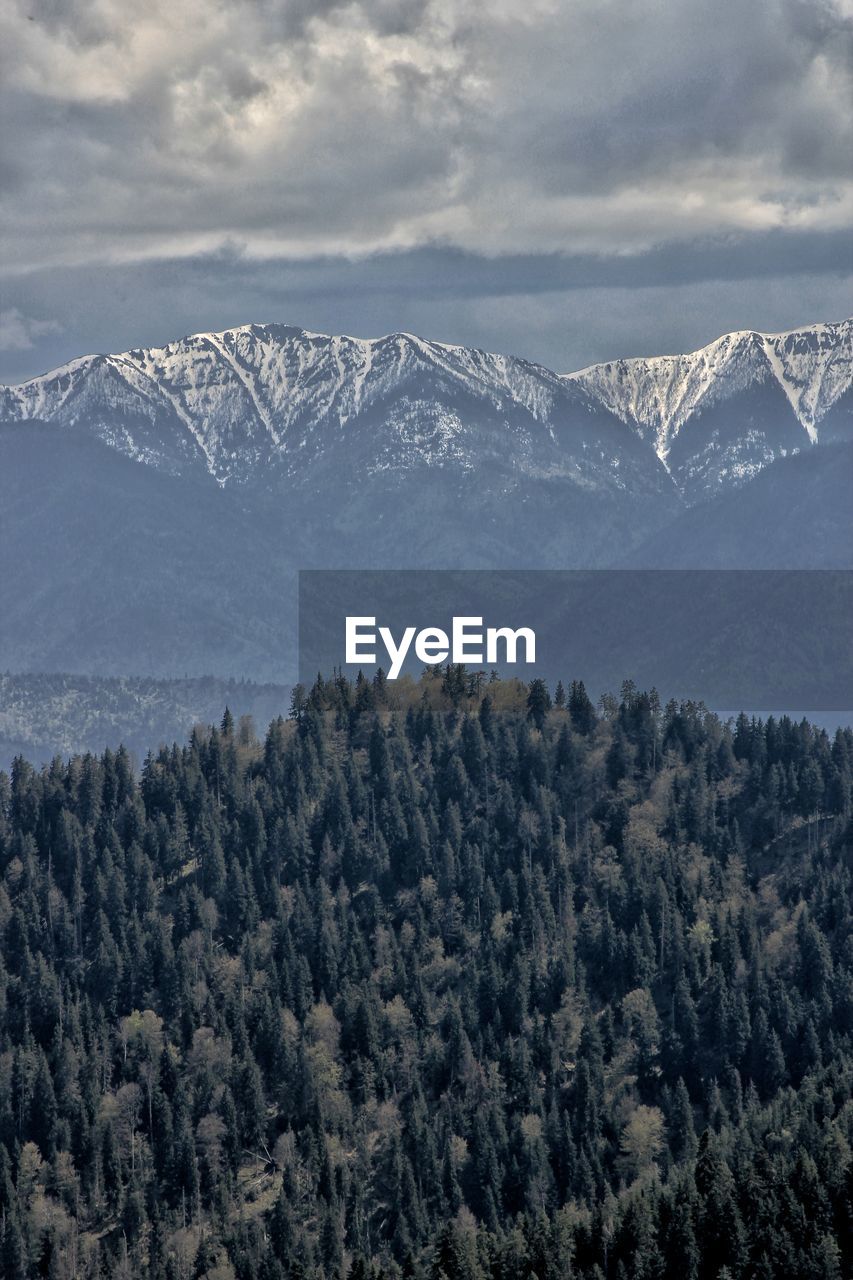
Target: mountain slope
[(795, 514), (111, 568), (718, 415), (270, 401)]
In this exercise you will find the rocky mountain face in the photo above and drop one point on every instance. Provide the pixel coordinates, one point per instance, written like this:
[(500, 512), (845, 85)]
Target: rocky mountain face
[(717, 416)]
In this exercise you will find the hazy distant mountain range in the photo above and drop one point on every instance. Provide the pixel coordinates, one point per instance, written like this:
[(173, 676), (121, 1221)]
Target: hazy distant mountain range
[(156, 504), (44, 715)]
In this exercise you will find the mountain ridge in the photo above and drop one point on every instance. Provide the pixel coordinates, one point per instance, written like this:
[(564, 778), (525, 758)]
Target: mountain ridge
[(256, 398), (153, 519), (773, 347)]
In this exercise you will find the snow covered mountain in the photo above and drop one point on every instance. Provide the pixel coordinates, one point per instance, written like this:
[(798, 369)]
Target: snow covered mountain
[(155, 505), (715, 417), (265, 400)]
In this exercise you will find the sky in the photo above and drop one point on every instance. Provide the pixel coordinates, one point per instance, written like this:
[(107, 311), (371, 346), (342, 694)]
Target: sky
[(568, 180)]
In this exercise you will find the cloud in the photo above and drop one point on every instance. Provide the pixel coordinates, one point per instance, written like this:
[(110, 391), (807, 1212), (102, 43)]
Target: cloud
[(568, 179), (598, 127), (563, 311), (21, 333)]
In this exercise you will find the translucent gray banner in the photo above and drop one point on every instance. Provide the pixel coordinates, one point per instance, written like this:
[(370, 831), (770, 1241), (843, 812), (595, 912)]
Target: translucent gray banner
[(753, 639)]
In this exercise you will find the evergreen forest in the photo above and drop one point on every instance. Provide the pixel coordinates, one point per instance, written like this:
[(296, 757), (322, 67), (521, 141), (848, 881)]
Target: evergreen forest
[(455, 979)]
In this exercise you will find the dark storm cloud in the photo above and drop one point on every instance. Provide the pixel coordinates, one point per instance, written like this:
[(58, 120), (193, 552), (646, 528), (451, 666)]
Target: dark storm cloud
[(565, 311), (412, 159)]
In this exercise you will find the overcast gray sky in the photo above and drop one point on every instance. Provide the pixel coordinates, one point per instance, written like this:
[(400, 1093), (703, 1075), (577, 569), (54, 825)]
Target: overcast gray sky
[(566, 179)]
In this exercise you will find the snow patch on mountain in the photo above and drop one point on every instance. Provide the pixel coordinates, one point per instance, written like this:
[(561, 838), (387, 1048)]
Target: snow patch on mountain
[(658, 395)]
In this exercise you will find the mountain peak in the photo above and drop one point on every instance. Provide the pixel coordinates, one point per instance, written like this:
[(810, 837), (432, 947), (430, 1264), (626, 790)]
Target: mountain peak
[(812, 365)]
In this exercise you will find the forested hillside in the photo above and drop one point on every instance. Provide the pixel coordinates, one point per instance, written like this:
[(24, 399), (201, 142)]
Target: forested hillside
[(438, 981), (43, 715)]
